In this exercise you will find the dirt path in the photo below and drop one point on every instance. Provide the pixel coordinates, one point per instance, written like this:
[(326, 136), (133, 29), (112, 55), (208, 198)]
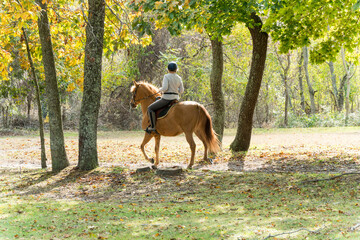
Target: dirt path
[(271, 152)]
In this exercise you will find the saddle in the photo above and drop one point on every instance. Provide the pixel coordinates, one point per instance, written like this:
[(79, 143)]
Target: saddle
[(162, 112)]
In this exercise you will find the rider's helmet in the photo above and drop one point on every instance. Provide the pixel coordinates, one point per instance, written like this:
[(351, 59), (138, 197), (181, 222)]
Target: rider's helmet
[(172, 66)]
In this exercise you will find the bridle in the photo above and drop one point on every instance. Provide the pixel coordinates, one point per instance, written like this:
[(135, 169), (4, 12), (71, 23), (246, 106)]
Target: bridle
[(138, 100)]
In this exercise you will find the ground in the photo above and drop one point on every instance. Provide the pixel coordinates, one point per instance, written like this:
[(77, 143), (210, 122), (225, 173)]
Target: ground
[(309, 150), (292, 184)]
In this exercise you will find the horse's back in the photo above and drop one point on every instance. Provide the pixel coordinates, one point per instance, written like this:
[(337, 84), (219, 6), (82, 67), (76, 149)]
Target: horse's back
[(181, 118)]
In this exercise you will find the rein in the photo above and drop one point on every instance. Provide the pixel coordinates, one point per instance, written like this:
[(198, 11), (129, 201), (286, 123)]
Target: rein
[(144, 97)]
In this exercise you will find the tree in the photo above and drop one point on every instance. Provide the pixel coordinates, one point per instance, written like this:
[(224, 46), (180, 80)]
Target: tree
[(285, 67), (310, 88), (301, 88), (36, 85), (58, 154), (88, 157), (348, 67), (216, 87), (244, 128)]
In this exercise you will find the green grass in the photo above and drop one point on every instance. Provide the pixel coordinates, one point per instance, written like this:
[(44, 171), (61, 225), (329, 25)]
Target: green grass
[(113, 203)]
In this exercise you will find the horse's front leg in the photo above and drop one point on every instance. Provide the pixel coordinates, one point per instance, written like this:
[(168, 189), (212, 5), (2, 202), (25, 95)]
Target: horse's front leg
[(157, 148), (190, 140), (146, 139)]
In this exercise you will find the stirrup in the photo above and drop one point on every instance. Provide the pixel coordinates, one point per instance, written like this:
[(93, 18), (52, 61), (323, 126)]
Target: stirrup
[(150, 130)]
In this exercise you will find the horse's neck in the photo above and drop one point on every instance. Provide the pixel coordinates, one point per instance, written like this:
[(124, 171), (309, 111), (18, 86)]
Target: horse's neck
[(145, 104)]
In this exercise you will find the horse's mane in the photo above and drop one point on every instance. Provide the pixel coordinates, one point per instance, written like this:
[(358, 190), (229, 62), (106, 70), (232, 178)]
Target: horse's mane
[(151, 87)]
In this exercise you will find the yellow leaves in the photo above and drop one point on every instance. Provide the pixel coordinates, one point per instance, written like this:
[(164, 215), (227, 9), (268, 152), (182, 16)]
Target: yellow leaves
[(132, 16), (46, 120), (124, 33), (145, 41), (71, 87), (158, 4)]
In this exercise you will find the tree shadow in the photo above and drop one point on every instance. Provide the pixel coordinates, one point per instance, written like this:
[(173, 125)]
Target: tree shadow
[(291, 164), (237, 162), (50, 180)]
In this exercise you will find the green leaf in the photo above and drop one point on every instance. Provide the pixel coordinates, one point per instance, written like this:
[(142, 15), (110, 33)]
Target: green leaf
[(356, 6)]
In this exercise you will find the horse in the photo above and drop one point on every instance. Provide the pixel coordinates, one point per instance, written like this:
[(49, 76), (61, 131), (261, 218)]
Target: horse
[(186, 117)]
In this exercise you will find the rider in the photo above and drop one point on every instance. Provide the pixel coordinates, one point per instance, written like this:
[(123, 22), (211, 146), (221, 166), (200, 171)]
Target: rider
[(171, 87)]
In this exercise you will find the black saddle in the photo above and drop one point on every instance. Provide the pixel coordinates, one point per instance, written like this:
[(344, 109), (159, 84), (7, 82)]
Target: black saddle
[(162, 112)]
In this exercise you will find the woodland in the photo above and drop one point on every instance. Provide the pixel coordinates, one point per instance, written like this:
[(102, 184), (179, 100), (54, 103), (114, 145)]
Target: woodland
[(279, 78)]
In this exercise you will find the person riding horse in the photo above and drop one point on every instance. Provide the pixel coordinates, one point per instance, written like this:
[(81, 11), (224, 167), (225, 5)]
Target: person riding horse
[(172, 86)]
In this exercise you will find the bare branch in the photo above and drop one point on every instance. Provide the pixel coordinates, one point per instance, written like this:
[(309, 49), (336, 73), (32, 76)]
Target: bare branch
[(298, 230), (331, 178)]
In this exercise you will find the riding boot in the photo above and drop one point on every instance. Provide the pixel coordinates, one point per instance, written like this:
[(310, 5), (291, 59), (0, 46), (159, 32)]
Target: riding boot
[(152, 117)]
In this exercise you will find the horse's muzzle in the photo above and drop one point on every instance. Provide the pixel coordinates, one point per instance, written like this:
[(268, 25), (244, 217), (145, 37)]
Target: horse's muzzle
[(133, 105)]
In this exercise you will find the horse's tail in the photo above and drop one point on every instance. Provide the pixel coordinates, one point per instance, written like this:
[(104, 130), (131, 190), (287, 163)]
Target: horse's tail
[(211, 140)]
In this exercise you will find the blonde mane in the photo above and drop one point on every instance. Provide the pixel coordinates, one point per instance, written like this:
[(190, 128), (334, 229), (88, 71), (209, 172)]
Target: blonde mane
[(150, 86)]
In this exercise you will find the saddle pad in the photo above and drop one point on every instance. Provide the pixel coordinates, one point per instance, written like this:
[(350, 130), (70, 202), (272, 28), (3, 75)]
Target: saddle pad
[(162, 112)]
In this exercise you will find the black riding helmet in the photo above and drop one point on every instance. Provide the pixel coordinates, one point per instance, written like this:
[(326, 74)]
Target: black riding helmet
[(172, 66)]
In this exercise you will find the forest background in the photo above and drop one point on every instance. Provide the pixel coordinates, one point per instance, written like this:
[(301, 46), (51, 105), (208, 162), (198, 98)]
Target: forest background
[(126, 60)]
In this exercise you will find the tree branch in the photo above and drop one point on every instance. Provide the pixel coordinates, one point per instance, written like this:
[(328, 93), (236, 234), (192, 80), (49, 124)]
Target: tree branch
[(298, 230), (331, 178)]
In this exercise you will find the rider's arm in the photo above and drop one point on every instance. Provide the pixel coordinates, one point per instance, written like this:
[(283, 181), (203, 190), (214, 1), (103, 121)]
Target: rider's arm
[(165, 85), (181, 88)]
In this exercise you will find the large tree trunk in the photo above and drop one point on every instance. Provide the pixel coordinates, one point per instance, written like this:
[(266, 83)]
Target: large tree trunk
[(311, 90), (216, 88), (40, 119), (88, 157), (302, 97), (244, 128), (58, 154)]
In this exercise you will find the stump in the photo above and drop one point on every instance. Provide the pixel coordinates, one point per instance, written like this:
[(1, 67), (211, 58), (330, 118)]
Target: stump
[(144, 169), (171, 171)]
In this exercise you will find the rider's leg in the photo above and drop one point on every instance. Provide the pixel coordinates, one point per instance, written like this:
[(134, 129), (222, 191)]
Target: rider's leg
[(151, 112)]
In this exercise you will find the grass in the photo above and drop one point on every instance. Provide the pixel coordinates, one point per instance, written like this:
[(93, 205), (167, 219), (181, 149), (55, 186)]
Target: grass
[(257, 197), (113, 203)]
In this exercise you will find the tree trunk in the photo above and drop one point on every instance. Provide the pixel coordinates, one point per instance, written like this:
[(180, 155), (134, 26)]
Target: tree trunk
[(216, 88), (287, 94), (340, 96), (57, 146), (244, 128), (333, 84), (347, 82), (311, 90), (88, 157), (284, 75), (302, 97), (41, 123), (29, 100)]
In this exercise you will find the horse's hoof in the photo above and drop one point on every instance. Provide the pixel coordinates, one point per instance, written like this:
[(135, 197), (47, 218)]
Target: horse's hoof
[(189, 167), (154, 167), (151, 160), (210, 161)]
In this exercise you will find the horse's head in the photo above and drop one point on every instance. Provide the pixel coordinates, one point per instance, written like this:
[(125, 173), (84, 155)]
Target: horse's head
[(133, 90), (142, 91)]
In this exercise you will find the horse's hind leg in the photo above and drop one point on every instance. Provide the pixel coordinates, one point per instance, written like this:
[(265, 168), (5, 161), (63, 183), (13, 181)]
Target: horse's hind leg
[(201, 136), (157, 148), (146, 139), (190, 140)]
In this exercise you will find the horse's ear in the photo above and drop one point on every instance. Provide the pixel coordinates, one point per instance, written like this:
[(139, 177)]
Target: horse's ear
[(135, 83)]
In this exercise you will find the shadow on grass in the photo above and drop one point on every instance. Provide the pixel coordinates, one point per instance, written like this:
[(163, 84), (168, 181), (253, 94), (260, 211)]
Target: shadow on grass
[(47, 181), (237, 162), (72, 182)]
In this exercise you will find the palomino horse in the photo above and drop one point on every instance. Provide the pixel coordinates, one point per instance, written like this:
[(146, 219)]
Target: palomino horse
[(185, 117)]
